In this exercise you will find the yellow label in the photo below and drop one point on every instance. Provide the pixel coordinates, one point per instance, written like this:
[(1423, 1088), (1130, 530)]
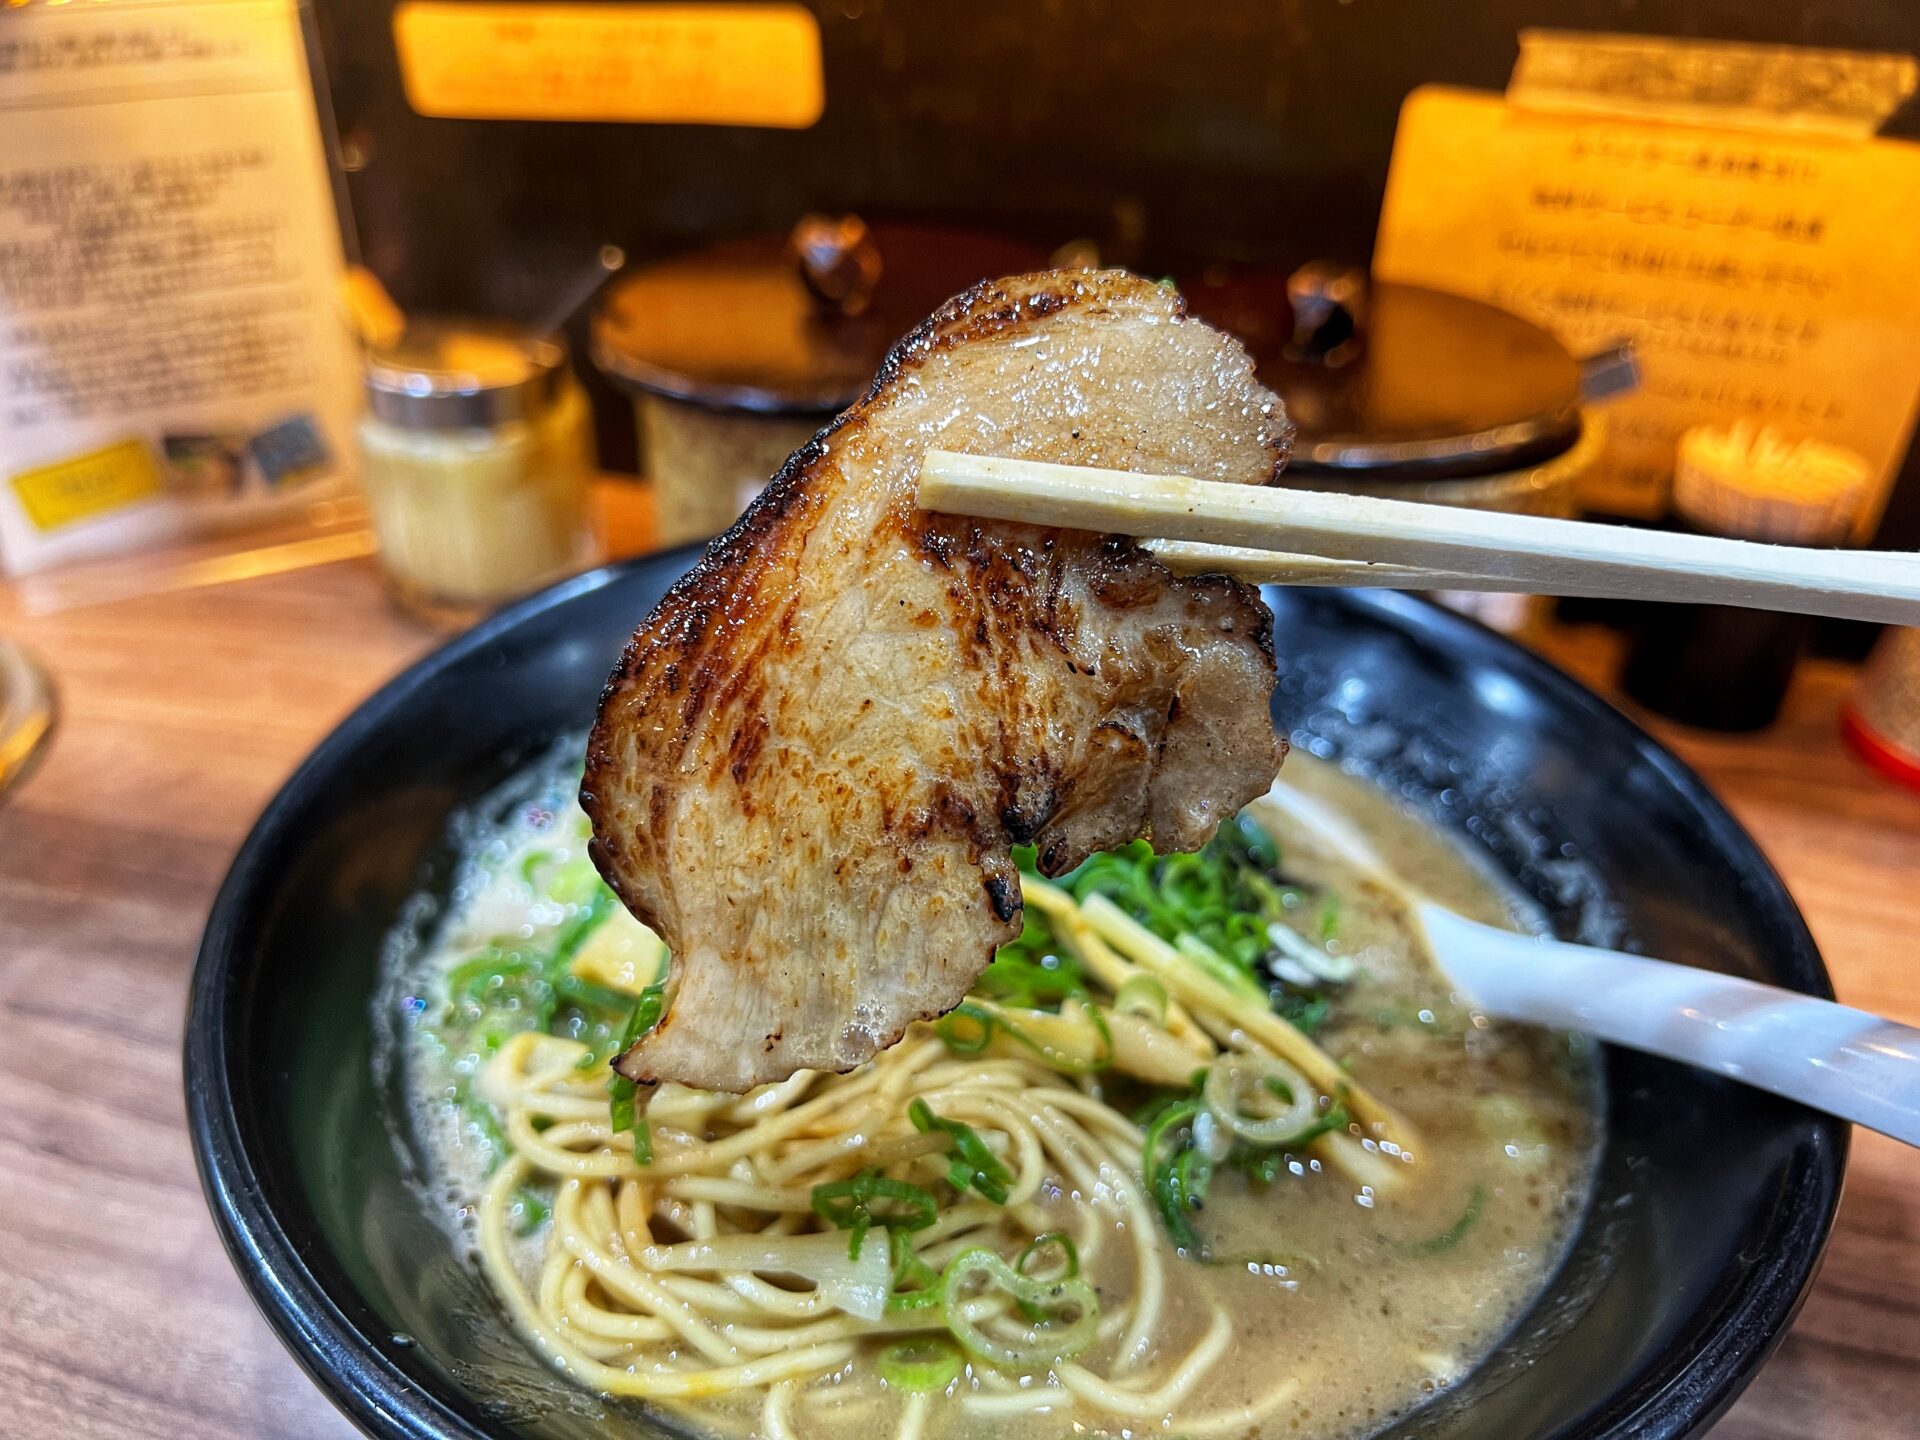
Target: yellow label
[(1711, 82), (660, 64), (70, 490), (1764, 276)]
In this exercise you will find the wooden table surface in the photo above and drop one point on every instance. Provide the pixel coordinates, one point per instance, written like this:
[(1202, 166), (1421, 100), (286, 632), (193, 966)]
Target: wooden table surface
[(119, 1315)]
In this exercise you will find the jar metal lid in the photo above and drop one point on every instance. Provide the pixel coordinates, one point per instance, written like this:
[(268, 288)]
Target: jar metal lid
[(456, 374)]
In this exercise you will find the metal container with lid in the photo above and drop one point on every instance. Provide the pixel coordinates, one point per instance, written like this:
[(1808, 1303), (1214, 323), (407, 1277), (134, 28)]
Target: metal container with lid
[(737, 353), (1413, 393), (476, 456)]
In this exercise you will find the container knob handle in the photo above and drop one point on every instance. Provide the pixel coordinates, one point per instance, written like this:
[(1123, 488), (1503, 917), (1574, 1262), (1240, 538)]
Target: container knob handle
[(1608, 373), (1329, 313), (839, 261)]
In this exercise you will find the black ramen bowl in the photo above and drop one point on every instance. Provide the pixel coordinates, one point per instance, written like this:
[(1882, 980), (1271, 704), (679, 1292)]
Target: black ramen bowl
[(1713, 1201)]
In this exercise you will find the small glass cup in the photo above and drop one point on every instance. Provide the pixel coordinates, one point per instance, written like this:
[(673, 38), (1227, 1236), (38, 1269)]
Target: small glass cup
[(476, 458)]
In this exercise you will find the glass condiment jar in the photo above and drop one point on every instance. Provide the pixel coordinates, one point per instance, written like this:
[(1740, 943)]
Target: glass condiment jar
[(737, 353), (477, 453), (1726, 667)]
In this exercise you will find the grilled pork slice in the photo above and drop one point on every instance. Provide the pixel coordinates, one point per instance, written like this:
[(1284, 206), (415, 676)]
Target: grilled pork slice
[(812, 760)]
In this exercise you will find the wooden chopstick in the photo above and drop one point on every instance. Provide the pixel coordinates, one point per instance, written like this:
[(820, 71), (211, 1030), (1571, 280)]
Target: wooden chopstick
[(1273, 567), (1521, 553)]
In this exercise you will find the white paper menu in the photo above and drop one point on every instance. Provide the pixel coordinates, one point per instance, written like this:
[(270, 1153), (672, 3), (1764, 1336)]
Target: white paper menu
[(172, 352)]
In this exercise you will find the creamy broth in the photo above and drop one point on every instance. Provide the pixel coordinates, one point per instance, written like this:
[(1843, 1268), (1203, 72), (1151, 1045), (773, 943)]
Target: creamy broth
[(1402, 1297), (1348, 1305)]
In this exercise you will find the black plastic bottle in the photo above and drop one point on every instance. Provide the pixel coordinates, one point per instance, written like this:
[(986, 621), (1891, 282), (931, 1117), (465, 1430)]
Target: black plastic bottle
[(1715, 666)]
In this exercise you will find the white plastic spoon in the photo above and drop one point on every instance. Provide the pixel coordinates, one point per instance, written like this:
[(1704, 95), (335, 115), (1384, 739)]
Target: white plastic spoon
[(1831, 1057)]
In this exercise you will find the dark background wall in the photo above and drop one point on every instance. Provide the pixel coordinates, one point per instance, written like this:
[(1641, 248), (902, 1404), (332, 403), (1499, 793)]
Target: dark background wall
[(1171, 133)]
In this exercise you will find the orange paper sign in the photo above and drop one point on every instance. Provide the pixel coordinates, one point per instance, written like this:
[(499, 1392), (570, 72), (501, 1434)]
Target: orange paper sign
[(664, 64)]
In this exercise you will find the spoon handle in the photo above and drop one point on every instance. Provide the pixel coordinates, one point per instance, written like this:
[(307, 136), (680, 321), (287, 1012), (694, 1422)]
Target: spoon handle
[(1831, 1057)]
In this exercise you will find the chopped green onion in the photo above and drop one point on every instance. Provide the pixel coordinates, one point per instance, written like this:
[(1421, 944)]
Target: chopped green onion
[(1215, 907), (1168, 1189), (1142, 995), (920, 1365), (642, 1142), (1239, 1088), (576, 882), (585, 993), (975, 1167), (574, 933), (1039, 1245), (1248, 839), (1262, 1167), (622, 1093), (530, 1211), (1014, 977), (1306, 1013), (1041, 1034), (489, 971), (922, 1298), (1329, 916), (1126, 877), (970, 1027), (953, 1028), (1069, 1261), (1192, 1175), (646, 1014), (851, 1204), (1069, 1312), (482, 1116), (916, 1284), (1337, 1118), (1033, 969), (1454, 1233)]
